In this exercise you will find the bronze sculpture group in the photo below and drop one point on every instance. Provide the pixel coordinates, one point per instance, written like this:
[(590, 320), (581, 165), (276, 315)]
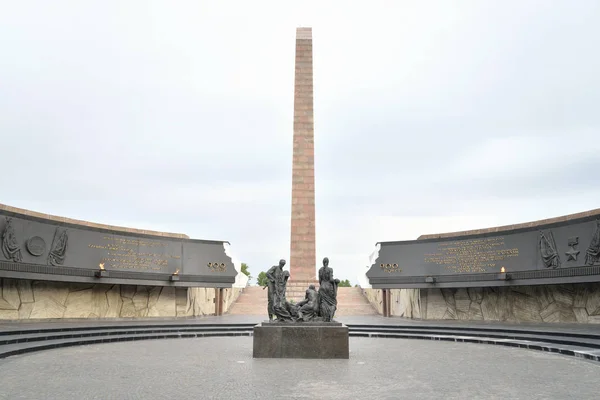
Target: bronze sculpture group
[(317, 305)]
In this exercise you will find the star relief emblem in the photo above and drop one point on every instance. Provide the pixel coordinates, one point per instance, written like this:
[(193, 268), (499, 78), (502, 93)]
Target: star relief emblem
[(572, 254)]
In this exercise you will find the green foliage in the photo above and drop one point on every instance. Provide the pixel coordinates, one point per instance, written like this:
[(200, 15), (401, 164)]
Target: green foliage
[(344, 283), (245, 270), (262, 279)]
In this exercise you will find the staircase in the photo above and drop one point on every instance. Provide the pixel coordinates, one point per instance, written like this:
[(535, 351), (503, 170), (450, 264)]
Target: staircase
[(253, 301), (351, 301)]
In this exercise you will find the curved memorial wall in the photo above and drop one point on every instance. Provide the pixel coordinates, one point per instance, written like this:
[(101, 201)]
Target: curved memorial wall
[(53, 267), (540, 271)]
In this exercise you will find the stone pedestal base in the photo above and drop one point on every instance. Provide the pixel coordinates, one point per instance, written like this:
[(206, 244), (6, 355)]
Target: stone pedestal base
[(325, 340)]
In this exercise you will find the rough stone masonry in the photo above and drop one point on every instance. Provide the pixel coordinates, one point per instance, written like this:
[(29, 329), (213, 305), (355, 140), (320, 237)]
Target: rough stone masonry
[(303, 248)]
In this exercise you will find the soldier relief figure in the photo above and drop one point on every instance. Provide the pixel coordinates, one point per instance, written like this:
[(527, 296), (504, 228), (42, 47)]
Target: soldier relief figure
[(316, 306), (592, 254), (59, 248), (10, 244)]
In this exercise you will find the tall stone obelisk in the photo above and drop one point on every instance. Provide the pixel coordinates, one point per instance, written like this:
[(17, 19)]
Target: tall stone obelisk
[(303, 246)]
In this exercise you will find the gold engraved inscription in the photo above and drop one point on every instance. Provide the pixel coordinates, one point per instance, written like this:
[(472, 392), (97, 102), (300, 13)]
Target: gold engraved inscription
[(472, 256), (138, 254), (389, 268)]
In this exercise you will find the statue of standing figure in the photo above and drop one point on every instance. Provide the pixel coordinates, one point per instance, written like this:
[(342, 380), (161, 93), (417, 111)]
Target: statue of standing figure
[(328, 288), (278, 306), (316, 306)]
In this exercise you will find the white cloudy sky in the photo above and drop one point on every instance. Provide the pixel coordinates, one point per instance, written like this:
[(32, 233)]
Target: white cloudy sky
[(430, 116)]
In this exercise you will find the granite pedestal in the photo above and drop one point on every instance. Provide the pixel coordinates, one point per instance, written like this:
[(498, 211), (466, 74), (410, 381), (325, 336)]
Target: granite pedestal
[(324, 340)]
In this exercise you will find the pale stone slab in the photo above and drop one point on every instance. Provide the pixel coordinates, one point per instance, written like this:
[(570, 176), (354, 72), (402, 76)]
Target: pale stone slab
[(475, 294), (525, 308), (25, 310), (563, 294), (581, 295), (55, 291), (127, 309), (10, 293), (462, 301), (99, 301), (544, 295), (153, 295), (9, 314), (475, 312), (581, 314), (489, 306), (551, 313), (593, 303), (25, 291), (127, 291), (79, 304), (47, 308), (165, 304), (181, 301), (406, 303), (114, 302), (140, 302), (436, 304)]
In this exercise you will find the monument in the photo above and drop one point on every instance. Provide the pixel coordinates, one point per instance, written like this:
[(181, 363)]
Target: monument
[(317, 306), (302, 239), (305, 329)]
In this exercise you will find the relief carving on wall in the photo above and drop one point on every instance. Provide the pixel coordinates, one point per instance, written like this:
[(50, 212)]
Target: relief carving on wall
[(548, 250), (36, 246), (10, 244), (592, 254), (572, 253), (59, 247)]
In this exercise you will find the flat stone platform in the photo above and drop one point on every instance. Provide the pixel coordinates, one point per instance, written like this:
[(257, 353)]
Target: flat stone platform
[(325, 340), (223, 368)]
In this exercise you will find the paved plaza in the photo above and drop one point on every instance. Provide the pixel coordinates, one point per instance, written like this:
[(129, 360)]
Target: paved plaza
[(223, 368)]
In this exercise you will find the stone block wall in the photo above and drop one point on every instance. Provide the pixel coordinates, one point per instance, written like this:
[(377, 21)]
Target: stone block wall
[(25, 299), (541, 303), (404, 302), (375, 297)]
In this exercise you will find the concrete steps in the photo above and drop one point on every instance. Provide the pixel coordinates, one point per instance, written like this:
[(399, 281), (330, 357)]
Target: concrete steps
[(351, 301), (253, 301), (578, 341)]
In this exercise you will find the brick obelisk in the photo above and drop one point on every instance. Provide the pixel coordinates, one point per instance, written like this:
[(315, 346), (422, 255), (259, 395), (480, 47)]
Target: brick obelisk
[(303, 246)]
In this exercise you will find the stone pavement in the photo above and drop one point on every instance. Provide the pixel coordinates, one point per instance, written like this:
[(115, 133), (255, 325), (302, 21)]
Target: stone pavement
[(223, 368)]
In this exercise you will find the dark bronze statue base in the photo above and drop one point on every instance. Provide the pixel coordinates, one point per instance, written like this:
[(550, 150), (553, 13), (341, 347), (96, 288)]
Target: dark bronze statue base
[(324, 340)]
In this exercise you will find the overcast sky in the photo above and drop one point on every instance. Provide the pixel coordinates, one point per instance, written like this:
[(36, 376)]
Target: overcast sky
[(430, 116)]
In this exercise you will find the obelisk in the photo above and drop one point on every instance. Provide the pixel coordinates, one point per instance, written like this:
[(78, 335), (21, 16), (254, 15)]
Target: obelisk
[(303, 246)]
